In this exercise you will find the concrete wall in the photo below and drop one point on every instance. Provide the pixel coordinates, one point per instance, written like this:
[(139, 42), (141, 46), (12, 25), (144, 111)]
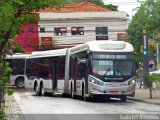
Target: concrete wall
[(115, 21)]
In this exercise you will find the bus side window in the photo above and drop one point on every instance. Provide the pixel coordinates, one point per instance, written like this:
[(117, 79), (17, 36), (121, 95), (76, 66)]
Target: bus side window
[(82, 70), (44, 72)]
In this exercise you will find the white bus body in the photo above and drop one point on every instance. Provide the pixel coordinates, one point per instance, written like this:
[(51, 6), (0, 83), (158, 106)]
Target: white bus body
[(45, 71), (92, 70), (17, 63)]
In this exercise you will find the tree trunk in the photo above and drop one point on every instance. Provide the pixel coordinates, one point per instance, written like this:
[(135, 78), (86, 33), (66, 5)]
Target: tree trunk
[(150, 89)]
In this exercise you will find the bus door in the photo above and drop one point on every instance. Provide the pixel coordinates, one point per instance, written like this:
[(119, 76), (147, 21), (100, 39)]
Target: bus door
[(75, 73), (54, 75)]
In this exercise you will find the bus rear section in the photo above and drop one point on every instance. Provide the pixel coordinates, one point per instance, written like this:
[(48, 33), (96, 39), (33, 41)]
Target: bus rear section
[(17, 64), (45, 72), (102, 69)]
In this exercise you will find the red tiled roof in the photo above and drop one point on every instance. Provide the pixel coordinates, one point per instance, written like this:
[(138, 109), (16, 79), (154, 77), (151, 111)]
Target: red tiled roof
[(78, 7)]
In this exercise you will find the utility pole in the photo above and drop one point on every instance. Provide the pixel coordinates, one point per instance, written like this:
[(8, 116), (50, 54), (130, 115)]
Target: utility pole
[(158, 55), (145, 55)]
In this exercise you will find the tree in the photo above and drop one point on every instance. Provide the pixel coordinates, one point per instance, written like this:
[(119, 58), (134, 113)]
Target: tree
[(14, 14), (147, 17), (152, 79), (111, 7), (12, 45), (97, 2)]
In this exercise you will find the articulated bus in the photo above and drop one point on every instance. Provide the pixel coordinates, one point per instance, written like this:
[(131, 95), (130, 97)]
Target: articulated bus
[(96, 68), (100, 68), (45, 71), (17, 63)]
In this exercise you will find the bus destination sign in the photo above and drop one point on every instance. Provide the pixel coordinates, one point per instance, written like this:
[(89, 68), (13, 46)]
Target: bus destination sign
[(113, 56)]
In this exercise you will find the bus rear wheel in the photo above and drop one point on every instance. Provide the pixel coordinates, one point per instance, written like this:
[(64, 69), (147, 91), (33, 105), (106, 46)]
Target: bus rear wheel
[(37, 92), (20, 82), (42, 90), (72, 93)]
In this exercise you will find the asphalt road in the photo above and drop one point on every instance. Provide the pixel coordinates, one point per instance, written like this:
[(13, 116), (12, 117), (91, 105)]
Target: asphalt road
[(58, 108)]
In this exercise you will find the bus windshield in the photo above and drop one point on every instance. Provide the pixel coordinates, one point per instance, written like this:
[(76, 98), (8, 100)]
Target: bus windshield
[(112, 68)]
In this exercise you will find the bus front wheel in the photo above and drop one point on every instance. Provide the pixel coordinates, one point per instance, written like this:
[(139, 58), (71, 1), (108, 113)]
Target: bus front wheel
[(20, 82), (84, 96)]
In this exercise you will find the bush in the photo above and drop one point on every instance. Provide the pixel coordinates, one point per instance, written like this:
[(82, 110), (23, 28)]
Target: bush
[(154, 77), (2, 114), (4, 81)]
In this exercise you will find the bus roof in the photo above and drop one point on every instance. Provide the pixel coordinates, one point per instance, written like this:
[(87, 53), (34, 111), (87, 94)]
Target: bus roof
[(103, 46), (48, 53), (17, 56)]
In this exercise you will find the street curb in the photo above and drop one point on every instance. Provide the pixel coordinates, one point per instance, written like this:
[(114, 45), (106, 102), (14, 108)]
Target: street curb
[(144, 101)]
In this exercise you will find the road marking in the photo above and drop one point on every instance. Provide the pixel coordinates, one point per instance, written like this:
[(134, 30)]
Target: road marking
[(29, 95)]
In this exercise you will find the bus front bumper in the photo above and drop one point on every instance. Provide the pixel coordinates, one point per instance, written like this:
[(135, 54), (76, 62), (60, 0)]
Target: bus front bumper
[(111, 90)]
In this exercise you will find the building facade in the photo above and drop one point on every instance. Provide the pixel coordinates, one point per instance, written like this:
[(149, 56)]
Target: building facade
[(77, 24), (29, 38)]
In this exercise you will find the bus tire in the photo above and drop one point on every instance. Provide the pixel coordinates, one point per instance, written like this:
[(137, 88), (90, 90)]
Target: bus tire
[(37, 91), (123, 98), (20, 82), (85, 98), (72, 92), (42, 93)]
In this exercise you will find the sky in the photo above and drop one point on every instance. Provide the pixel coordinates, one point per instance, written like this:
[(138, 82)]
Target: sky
[(128, 6)]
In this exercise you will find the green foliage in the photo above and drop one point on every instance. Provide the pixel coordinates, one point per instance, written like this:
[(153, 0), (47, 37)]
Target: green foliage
[(5, 71), (97, 2), (153, 78), (4, 81), (9, 91), (2, 114), (18, 49), (147, 17), (15, 13), (110, 7)]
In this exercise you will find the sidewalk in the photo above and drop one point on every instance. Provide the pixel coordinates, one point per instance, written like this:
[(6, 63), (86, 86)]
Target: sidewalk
[(143, 95), (12, 110)]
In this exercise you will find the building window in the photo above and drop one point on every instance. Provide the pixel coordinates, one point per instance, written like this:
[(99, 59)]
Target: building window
[(77, 30), (101, 30), (42, 29), (101, 33), (30, 29), (60, 31)]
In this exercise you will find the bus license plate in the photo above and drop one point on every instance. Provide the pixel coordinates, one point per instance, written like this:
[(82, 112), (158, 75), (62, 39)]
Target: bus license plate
[(114, 92)]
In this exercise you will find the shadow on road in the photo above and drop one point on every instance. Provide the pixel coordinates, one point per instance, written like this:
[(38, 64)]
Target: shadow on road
[(91, 100)]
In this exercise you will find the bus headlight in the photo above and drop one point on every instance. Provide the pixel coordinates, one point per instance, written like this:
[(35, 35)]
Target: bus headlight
[(97, 82), (94, 81), (131, 82)]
